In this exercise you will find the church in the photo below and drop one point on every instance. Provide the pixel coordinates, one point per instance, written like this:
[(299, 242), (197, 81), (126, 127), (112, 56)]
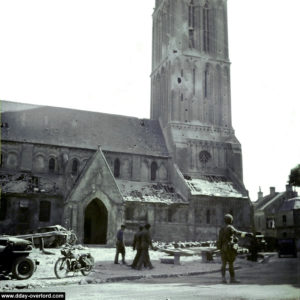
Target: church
[(180, 170)]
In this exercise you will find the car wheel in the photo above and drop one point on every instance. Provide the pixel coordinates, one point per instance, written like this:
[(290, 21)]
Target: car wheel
[(23, 268)]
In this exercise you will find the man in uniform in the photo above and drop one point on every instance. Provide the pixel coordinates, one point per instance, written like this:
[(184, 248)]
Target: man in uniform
[(120, 247), (227, 243), (136, 245), (146, 242)]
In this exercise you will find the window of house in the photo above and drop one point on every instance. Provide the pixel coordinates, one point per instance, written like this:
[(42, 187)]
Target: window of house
[(75, 167), (117, 168), (270, 223), (45, 211), (284, 219), (51, 164), (153, 170)]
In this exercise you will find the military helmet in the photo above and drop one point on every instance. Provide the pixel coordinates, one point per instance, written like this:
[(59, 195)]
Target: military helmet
[(228, 218)]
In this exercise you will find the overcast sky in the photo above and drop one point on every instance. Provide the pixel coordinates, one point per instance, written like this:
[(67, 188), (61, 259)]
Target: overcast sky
[(96, 55)]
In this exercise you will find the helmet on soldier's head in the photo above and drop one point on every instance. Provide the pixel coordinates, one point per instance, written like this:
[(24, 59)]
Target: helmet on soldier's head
[(228, 218)]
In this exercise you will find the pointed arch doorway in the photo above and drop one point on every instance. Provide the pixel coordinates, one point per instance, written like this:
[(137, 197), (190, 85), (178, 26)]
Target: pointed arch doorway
[(95, 223)]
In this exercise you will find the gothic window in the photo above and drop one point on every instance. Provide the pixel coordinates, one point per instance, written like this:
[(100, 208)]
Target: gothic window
[(204, 156), (206, 81), (45, 211), (191, 24), (206, 28), (51, 164), (208, 216), (117, 168), (75, 166), (153, 170), (194, 81)]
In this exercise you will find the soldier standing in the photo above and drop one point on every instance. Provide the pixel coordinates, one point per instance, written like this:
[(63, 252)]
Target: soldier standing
[(120, 247), (227, 243)]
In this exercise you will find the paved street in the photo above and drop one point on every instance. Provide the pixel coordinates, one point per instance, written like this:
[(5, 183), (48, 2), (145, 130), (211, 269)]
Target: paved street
[(277, 279)]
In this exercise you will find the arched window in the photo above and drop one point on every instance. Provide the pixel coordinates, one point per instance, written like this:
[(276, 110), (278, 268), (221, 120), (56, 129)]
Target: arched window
[(191, 24), (51, 164), (75, 166), (117, 168), (208, 216), (206, 28), (206, 81), (153, 170), (204, 156)]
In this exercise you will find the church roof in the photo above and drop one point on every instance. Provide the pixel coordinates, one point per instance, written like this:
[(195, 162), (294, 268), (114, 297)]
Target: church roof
[(133, 191), (213, 186), (81, 129)]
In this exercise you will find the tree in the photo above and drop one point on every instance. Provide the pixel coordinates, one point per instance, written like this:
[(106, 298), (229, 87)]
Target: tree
[(294, 177)]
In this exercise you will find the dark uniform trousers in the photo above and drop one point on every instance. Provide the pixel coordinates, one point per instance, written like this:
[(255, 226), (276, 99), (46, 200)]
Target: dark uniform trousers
[(144, 258)]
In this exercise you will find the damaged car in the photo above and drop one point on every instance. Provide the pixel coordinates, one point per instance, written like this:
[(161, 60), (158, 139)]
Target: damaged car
[(14, 258)]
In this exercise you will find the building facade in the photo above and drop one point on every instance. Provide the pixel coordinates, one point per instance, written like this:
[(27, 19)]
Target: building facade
[(180, 170)]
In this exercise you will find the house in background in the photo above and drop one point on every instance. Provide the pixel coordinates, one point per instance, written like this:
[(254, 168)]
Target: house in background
[(288, 220), (276, 215)]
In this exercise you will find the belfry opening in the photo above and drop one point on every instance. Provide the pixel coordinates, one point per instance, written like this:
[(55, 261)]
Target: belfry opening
[(95, 223)]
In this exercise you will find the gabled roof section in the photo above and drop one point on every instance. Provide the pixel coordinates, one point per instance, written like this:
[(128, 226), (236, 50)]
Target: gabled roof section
[(96, 176), (271, 201), (262, 202), (81, 129), (213, 186), (291, 204)]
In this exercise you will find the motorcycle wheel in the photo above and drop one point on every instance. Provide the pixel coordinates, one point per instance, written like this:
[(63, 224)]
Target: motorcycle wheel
[(23, 268), (61, 269), (88, 268)]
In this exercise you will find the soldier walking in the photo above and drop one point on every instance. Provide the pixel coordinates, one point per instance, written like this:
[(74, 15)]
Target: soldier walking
[(136, 245), (146, 242), (227, 243), (120, 247)]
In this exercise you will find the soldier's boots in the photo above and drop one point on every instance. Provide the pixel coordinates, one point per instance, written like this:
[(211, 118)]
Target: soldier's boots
[(233, 280), (224, 279)]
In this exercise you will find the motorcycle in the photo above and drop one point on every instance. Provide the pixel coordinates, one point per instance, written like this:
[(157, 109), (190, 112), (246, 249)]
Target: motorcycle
[(70, 262), (14, 258)]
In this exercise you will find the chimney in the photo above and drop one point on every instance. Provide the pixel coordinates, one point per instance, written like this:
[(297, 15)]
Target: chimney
[(260, 194), (272, 190)]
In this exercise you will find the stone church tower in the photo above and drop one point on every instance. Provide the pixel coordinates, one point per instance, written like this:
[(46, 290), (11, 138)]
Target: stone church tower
[(190, 87)]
